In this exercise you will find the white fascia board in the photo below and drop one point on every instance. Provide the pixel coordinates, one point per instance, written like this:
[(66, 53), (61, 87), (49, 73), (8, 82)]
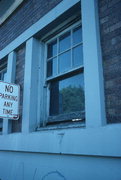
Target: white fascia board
[(40, 24)]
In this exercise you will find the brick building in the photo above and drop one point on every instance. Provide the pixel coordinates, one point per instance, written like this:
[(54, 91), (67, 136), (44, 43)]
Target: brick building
[(65, 56)]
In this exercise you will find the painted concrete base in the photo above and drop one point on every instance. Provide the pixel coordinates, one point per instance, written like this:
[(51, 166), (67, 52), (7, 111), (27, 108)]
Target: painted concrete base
[(31, 166)]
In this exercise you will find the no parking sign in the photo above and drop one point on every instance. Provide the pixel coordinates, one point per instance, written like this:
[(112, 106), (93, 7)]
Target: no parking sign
[(9, 100)]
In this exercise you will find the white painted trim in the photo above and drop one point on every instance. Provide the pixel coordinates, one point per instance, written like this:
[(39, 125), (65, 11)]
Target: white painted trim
[(101, 141), (10, 10), (29, 120), (44, 21), (41, 108), (93, 70)]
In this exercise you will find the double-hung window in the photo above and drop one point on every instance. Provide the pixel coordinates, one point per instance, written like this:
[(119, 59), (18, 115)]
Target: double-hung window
[(65, 76)]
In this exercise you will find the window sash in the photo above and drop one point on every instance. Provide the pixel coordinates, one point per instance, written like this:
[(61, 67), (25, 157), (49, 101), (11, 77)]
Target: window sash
[(72, 47)]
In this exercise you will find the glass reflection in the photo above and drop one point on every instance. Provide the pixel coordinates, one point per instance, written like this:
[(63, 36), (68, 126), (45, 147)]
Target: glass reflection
[(52, 49), (77, 35), (64, 42), (77, 56), (64, 61), (67, 95)]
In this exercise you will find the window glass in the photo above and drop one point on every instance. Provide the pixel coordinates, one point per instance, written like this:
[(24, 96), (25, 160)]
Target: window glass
[(49, 68), (52, 67), (55, 69), (77, 35), (64, 61), (52, 49), (67, 95), (64, 42), (77, 56)]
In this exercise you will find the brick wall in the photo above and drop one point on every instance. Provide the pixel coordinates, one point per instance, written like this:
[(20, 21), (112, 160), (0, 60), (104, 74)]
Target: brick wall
[(25, 15), (110, 29), (16, 125)]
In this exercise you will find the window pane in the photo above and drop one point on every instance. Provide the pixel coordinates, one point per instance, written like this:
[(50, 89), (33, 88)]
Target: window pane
[(77, 35), (52, 67), (77, 56), (54, 98), (49, 68), (67, 95), (52, 49), (65, 42), (64, 61)]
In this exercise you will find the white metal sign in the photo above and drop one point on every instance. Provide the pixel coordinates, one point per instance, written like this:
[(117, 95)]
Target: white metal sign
[(9, 100)]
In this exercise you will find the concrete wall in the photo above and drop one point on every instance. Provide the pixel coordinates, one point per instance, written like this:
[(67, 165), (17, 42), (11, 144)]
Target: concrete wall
[(36, 166), (19, 79)]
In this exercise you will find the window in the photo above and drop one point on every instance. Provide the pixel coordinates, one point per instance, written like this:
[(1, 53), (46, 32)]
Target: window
[(65, 76)]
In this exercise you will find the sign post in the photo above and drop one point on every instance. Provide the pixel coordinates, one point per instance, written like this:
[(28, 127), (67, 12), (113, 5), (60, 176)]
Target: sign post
[(9, 100)]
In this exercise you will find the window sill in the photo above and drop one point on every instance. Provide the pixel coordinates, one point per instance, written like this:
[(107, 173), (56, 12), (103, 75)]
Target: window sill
[(66, 125)]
